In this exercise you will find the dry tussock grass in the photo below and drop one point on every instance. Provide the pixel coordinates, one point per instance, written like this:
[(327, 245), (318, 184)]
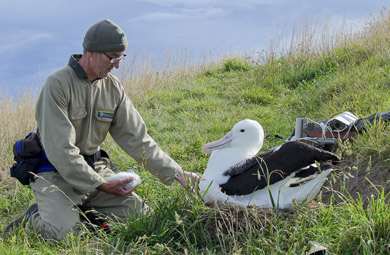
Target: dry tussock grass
[(379, 27), (17, 120), (143, 73), (313, 39)]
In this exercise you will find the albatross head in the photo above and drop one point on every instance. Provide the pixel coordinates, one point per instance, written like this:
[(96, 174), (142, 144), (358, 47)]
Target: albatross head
[(246, 136), (242, 142)]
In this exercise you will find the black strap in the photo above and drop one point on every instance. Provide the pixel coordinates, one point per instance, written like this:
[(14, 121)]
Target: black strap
[(91, 159)]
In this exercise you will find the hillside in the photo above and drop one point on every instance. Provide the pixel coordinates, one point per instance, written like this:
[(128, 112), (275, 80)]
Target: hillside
[(188, 107)]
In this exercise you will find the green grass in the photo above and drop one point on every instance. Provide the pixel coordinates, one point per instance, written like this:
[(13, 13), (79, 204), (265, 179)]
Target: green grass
[(202, 107)]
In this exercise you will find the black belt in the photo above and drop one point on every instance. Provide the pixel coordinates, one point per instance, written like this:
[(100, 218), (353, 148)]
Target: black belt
[(91, 159)]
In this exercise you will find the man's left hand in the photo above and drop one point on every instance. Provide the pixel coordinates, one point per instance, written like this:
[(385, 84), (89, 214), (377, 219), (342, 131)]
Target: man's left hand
[(182, 178)]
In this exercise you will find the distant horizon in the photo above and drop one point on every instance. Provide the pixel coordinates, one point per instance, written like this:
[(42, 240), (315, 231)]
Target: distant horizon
[(35, 42)]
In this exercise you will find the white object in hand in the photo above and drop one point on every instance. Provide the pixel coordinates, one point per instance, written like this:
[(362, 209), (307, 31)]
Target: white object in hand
[(123, 175)]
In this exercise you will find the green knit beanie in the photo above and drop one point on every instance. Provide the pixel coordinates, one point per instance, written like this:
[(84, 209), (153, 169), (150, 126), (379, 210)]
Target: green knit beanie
[(105, 36)]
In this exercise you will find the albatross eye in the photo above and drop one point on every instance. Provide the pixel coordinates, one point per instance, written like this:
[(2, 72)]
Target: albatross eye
[(242, 130)]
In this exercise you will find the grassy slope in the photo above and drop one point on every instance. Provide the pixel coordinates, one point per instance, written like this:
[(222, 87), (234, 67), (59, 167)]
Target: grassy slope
[(191, 111)]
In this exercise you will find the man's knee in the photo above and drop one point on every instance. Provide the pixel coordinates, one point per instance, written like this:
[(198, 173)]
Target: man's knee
[(57, 229)]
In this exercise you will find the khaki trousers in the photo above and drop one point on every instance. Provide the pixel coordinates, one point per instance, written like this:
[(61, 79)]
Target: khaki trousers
[(58, 203)]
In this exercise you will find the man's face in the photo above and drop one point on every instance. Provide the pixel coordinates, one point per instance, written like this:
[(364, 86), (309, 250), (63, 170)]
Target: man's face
[(106, 61)]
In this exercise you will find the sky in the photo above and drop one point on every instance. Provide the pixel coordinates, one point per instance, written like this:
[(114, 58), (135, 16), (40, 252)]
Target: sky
[(38, 37)]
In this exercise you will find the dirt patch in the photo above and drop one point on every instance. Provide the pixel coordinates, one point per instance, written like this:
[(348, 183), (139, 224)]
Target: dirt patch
[(355, 179)]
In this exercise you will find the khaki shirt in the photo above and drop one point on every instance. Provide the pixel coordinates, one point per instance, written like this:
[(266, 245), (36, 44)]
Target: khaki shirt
[(74, 117)]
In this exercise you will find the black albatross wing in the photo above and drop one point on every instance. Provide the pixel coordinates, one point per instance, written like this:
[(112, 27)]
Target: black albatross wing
[(253, 174)]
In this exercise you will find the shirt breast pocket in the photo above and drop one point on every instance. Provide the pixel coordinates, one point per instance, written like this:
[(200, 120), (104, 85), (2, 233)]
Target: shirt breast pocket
[(102, 125), (77, 115)]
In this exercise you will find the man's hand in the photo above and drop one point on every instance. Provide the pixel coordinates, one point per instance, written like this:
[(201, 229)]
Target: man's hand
[(182, 178), (115, 187)]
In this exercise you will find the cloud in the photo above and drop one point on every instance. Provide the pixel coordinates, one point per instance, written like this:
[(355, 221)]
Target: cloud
[(182, 15), (21, 39)]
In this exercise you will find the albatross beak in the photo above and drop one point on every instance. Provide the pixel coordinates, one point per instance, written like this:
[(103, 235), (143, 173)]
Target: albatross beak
[(219, 144)]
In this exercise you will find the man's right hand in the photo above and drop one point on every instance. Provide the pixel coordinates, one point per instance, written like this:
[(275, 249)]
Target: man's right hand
[(115, 187)]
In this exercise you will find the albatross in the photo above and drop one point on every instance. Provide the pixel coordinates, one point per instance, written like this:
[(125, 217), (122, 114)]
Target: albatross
[(236, 174)]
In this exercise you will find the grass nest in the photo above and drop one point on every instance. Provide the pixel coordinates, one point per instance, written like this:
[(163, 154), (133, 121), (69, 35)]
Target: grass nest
[(227, 219)]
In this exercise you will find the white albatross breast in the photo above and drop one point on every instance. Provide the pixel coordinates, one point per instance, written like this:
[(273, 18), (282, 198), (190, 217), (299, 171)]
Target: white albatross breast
[(236, 174)]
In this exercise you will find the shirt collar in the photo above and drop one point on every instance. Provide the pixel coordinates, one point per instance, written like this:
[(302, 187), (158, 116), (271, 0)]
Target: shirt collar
[(74, 64)]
